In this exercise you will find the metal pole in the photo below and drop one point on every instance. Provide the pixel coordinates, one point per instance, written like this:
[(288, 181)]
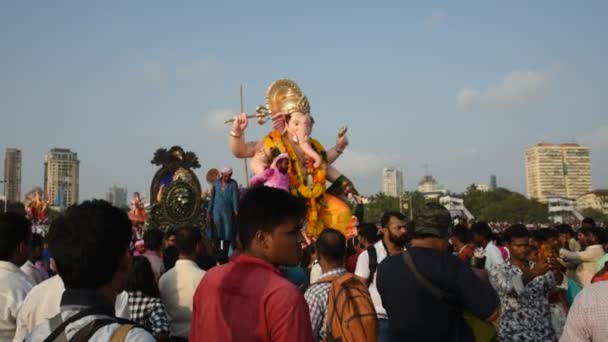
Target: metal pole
[(244, 160)]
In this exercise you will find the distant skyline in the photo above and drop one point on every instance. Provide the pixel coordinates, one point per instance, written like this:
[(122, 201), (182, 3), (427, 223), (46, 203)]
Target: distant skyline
[(463, 87)]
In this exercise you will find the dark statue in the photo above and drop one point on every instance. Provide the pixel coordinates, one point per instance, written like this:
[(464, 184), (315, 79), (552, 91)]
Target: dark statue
[(175, 194)]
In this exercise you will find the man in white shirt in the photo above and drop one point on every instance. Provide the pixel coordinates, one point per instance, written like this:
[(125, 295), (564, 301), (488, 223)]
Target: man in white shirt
[(586, 259), (482, 238), (177, 286), (394, 237), (15, 240), (90, 248), (38, 275), (43, 302)]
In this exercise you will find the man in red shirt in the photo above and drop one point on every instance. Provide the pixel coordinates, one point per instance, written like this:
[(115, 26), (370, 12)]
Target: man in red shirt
[(249, 299)]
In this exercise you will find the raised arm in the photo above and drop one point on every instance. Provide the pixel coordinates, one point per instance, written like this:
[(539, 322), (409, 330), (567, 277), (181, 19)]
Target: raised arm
[(587, 255), (341, 184), (239, 147), (335, 152)]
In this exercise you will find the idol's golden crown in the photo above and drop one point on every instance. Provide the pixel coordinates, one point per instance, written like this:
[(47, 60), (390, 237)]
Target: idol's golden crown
[(284, 96)]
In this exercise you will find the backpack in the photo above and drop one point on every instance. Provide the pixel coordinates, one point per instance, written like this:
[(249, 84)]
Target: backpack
[(85, 333), (351, 316), (373, 263)]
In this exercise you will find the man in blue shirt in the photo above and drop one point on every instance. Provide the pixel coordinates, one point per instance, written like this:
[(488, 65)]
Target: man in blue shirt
[(223, 207)]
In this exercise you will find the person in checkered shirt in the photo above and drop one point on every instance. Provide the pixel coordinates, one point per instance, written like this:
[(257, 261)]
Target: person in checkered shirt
[(331, 249), (145, 305)]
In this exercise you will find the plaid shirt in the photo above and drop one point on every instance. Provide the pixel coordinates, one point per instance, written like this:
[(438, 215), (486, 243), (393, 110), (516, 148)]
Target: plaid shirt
[(317, 297), (149, 312)]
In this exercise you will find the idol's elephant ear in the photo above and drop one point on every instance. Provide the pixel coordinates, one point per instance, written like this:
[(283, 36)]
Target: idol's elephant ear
[(278, 123)]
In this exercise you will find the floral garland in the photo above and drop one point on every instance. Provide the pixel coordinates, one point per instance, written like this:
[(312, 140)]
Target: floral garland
[(277, 144)]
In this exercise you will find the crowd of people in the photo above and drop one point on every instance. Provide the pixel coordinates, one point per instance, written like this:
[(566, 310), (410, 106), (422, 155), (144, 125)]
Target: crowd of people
[(397, 280)]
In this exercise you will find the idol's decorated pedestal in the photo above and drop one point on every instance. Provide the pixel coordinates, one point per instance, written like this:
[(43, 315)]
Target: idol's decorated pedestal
[(175, 194)]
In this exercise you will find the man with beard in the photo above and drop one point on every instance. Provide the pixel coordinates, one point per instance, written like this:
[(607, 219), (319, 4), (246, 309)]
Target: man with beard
[(419, 313), (394, 236)]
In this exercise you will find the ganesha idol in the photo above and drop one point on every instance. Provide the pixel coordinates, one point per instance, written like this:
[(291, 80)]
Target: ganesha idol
[(310, 165), (36, 206)]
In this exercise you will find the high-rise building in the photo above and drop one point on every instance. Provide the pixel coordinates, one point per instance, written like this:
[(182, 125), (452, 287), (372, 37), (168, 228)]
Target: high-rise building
[(558, 170), (482, 187), (117, 196), (12, 174), (61, 176), (428, 184), (493, 184), (392, 181)]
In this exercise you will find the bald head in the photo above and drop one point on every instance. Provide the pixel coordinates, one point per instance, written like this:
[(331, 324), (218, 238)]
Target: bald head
[(331, 245)]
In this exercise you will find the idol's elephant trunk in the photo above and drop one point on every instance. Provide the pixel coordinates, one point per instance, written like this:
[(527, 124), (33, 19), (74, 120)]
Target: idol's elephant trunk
[(303, 140)]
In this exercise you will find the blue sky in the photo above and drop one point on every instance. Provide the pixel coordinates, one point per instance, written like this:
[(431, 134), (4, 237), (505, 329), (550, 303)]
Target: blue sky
[(464, 87)]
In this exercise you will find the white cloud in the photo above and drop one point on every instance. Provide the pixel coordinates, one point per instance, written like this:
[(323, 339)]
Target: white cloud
[(204, 68), (517, 87), (598, 140), (155, 75), (470, 151), (433, 21), (361, 164), (215, 118)]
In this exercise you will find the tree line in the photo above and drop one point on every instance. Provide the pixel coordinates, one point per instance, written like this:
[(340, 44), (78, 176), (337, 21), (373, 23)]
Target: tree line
[(500, 205)]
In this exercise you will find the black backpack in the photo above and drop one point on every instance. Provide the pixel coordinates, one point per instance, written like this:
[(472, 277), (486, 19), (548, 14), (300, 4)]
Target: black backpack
[(373, 263), (85, 333)]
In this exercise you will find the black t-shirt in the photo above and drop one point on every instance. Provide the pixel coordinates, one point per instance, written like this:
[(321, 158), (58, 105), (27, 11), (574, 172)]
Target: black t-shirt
[(415, 314), (206, 262)]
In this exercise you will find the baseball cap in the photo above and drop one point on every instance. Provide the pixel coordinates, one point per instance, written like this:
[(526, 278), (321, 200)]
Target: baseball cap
[(433, 219)]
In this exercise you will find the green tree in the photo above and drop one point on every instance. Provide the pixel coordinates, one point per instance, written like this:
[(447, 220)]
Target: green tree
[(504, 205), (378, 204), (595, 214)]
